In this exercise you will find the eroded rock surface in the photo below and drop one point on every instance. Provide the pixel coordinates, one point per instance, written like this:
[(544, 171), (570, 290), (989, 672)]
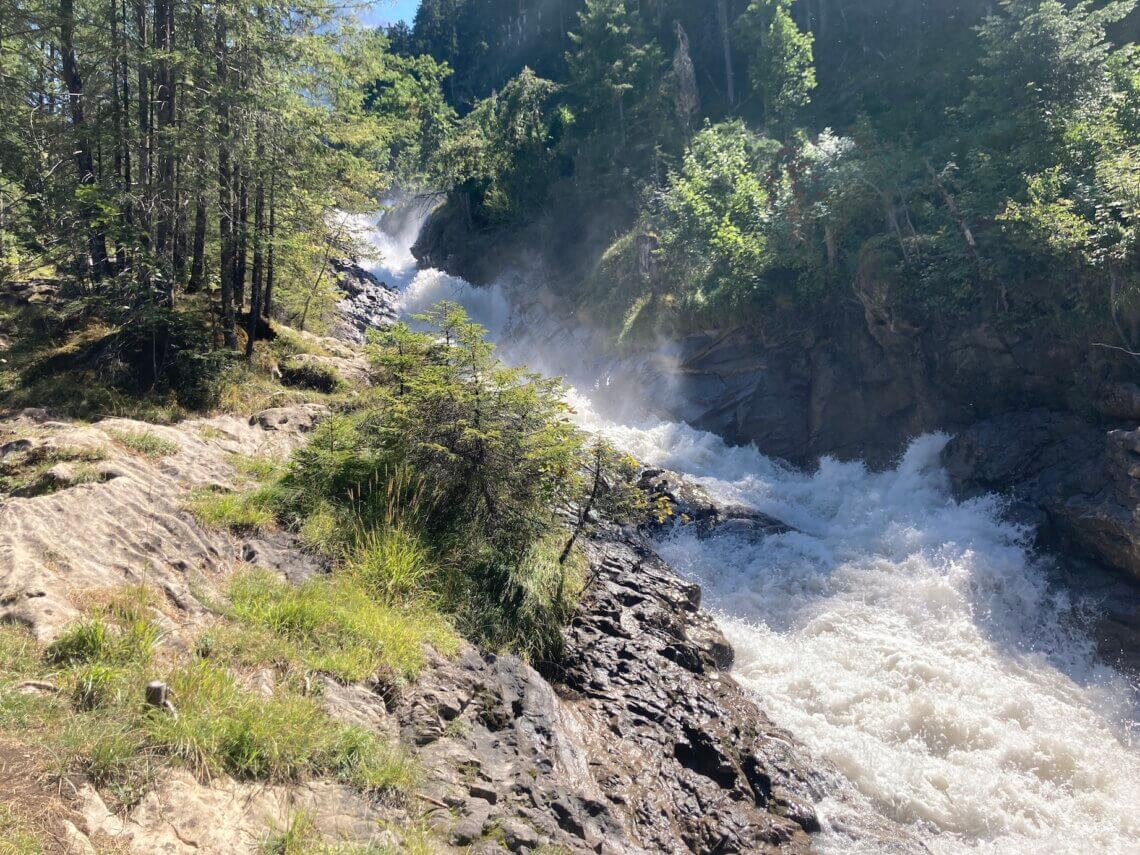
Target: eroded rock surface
[(639, 742), (685, 757), (128, 525), (182, 815)]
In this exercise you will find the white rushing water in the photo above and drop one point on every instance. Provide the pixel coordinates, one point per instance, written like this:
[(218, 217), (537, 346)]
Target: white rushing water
[(908, 639)]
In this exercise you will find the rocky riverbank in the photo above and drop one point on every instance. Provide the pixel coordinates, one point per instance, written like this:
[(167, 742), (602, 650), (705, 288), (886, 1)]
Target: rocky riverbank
[(636, 741)]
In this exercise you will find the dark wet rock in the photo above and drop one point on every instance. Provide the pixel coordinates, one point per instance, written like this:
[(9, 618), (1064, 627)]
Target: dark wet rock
[(683, 502), (636, 742), (1112, 603), (1078, 488), (1079, 484), (1119, 401), (682, 754), (368, 303)]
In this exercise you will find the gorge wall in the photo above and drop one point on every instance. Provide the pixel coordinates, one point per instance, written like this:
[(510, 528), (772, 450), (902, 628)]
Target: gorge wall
[(1052, 423)]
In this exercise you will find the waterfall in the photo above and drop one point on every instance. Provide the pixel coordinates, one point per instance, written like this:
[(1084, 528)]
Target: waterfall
[(909, 640)]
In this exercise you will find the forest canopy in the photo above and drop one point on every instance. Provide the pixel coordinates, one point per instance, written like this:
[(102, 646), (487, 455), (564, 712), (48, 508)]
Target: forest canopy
[(185, 166), (770, 153)]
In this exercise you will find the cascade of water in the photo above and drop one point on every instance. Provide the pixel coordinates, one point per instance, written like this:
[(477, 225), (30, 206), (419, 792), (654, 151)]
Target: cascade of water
[(910, 640)]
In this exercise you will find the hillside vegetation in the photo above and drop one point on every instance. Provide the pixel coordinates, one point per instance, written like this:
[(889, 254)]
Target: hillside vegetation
[(714, 162)]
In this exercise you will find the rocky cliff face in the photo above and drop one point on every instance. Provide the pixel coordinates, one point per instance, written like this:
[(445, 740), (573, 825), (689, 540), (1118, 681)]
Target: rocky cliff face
[(1077, 485)]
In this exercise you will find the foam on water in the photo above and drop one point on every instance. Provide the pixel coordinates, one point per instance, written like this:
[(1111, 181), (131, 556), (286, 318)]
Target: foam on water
[(908, 639)]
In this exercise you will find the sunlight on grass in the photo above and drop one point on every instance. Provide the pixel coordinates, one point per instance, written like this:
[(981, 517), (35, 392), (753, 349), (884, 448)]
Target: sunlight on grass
[(333, 626), (248, 510), (144, 443)]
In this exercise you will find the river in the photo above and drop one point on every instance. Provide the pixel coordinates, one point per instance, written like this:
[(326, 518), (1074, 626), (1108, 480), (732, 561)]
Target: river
[(911, 641)]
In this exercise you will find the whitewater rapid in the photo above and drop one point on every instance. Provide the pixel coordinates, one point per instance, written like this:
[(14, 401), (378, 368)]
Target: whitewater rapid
[(909, 640)]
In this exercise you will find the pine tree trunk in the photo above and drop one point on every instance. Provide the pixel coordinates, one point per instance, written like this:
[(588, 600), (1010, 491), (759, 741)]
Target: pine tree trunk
[(142, 94), (271, 254), (241, 234), (198, 247), (198, 241), (96, 239), (225, 186), (255, 284), (726, 46), (165, 100)]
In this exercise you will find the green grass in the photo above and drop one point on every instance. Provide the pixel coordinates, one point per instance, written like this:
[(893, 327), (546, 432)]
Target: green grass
[(260, 468), (240, 511), (300, 836), (331, 625), (297, 837), (224, 728), (24, 473), (326, 530), (308, 375), (96, 641), (17, 837), (144, 443), (390, 563), (95, 721)]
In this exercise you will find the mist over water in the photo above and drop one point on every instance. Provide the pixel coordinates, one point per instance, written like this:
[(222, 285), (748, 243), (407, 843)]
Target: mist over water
[(908, 639)]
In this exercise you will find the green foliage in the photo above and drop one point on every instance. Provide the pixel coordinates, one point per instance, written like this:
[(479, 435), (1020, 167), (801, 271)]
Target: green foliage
[(450, 484), (780, 57), (988, 163), (95, 641), (390, 563), (712, 218), (615, 75), (500, 159)]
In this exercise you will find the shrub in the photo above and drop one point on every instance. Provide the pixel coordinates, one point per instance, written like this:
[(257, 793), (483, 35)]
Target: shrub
[(164, 350), (460, 463)]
